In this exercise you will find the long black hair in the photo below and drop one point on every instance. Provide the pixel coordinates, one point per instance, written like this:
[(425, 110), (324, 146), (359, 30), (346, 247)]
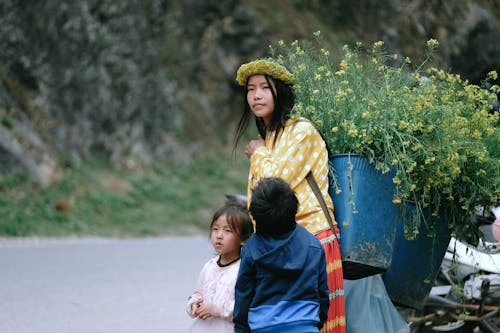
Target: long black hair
[(284, 100)]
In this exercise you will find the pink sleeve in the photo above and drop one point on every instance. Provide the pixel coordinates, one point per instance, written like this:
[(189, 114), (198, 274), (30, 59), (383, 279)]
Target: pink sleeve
[(225, 310), (198, 291)]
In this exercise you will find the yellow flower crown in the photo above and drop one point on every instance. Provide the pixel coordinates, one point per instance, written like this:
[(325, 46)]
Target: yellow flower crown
[(262, 66)]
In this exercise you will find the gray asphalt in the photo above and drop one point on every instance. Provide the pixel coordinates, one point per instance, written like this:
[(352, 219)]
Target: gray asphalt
[(99, 285)]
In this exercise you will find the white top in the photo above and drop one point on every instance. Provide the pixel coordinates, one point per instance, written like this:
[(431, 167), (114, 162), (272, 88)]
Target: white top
[(215, 286)]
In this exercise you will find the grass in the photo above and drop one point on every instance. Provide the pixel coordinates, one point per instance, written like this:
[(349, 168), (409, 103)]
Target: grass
[(95, 200)]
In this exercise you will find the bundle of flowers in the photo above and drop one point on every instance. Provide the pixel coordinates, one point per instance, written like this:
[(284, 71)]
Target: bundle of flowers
[(434, 129)]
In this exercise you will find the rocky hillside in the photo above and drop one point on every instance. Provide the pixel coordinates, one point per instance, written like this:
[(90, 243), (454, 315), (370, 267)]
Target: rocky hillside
[(136, 81)]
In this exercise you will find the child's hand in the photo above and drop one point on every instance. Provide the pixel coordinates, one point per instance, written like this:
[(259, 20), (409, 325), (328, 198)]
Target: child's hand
[(195, 306), (204, 311)]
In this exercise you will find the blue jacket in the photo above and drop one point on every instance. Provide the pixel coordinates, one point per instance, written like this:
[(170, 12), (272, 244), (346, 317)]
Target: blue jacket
[(282, 284)]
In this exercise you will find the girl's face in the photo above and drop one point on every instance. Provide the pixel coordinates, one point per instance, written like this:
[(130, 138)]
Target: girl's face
[(260, 98), (225, 240)]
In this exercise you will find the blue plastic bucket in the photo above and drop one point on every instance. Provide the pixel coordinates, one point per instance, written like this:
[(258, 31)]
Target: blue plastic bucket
[(365, 215), (416, 263)]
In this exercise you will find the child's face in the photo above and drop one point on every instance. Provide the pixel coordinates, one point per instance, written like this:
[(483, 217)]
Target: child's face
[(259, 97), (224, 240)]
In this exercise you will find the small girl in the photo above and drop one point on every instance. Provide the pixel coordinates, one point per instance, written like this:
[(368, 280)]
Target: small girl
[(212, 302)]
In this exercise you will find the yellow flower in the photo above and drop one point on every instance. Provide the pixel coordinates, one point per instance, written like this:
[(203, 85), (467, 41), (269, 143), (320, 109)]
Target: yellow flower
[(340, 95), (396, 181), (353, 132), (403, 124), (432, 43), (493, 75), (418, 125), (396, 201)]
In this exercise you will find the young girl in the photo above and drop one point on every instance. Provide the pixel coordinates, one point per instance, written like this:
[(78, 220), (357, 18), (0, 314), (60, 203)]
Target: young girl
[(290, 148), (212, 302)]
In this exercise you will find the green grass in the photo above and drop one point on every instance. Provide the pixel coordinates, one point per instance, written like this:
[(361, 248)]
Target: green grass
[(101, 201)]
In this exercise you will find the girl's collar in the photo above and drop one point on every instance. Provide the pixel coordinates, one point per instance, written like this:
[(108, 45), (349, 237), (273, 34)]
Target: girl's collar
[(229, 263)]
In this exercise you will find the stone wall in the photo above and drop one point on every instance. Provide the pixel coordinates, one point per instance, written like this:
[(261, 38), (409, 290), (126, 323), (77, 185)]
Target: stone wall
[(136, 81)]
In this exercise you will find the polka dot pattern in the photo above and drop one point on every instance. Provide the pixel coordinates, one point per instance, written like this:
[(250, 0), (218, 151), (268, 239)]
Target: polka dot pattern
[(298, 149)]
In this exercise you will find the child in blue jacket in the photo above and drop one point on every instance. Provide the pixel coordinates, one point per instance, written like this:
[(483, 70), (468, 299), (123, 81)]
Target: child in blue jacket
[(282, 283)]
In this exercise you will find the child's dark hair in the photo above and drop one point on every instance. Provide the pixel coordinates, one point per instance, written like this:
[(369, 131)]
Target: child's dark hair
[(284, 100), (237, 217), (273, 207)]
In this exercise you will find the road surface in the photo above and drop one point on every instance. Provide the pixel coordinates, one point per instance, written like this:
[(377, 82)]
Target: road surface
[(98, 285)]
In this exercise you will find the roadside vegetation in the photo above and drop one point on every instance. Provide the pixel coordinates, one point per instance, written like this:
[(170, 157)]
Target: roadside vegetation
[(98, 200)]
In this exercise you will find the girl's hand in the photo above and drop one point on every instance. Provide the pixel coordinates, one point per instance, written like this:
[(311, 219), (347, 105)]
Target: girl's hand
[(195, 307), (254, 144), (204, 311)]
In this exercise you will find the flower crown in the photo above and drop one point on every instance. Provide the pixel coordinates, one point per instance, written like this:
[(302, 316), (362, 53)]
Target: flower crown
[(262, 66)]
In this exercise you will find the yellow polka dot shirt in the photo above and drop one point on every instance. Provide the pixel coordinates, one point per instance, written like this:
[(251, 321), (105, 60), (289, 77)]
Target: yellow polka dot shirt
[(299, 149)]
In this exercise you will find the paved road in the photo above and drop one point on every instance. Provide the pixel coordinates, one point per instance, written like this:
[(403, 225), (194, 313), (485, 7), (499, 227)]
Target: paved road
[(98, 285)]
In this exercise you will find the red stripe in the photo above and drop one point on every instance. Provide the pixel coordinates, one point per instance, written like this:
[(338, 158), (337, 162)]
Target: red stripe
[(336, 313)]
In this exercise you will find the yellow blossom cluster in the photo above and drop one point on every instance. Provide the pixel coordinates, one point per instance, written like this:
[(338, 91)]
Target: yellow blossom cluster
[(434, 129)]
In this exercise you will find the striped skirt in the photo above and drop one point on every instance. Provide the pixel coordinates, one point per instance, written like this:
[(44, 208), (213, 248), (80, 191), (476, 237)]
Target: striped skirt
[(336, 313)]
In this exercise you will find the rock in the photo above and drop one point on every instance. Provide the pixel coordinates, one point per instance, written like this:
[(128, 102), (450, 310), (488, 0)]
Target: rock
[(132, 82), (475, 47)]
